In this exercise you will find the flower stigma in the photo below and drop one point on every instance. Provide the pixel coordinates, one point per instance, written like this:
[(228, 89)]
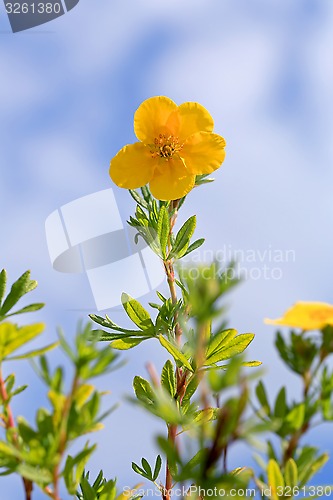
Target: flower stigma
[(165, 146)]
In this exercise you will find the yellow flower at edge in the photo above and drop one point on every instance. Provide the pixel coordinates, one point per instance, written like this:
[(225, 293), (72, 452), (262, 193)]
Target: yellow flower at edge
[(176, 144), (306, 316)]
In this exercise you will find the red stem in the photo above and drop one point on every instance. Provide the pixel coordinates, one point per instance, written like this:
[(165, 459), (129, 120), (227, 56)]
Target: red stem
[(10, 424)]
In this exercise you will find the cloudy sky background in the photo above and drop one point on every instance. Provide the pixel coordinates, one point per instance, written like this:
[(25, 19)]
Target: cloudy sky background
[(68, 93)]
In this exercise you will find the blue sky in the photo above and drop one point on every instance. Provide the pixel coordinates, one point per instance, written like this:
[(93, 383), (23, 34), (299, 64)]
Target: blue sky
[(68, 91)]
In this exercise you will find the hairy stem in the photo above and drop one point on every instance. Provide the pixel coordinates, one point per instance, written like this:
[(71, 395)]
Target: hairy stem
[(63, 436), (10, 424), (172, 432), (204, 335), (170, 273), (293, 442), (180, 376), (308, 379)]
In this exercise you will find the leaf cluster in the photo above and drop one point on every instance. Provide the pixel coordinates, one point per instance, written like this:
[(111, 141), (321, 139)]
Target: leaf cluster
[(153, 220), (39, 452)]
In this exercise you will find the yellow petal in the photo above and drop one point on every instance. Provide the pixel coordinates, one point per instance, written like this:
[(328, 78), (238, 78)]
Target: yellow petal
[(193, 118), (155, 116), (203, 153), (133, 166), (306, 316), (171, 180)]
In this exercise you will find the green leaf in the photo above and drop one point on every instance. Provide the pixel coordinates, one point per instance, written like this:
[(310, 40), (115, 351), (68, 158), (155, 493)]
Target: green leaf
[(307, 454), (157, 469), (30, 308), (140, 201), (9, 450), (43, 369), (10, 382), (168, 378), (87, 490), (158, 401), (3, 282), (252, 363), (196, 244), (26, 433), (143, 390), (141, 216), (146, 193), (291, 473), (171, 453), (136, 312), (163, 230), (127, 343), (99, 479), (275, 478), (155, 306), (191, 387), (19, 389), (295, 417), (103, 336), (74, 468), (82, 394), (153, 215), (161, 297), (207, 415), (312, 468), (183, 237), (262, 397), (203, 179), (139, 471), (65, 346), (234, 347), (182, 287), (35, 474), (197, 459), (13, 337), (270, 450), (280, 404), (22, 286), (108, 323), (147, 468), (175, 352), (109, 491), (36, 352), (220, 340)]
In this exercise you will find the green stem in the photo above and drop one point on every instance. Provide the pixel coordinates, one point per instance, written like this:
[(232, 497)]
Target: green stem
[(170, 273), (180, 376)]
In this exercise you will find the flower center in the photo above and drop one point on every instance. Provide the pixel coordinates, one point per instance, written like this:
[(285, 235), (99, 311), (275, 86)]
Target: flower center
[(165, 146)]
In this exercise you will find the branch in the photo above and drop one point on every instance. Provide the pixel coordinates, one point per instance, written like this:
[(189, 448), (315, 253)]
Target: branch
[(10, 424)]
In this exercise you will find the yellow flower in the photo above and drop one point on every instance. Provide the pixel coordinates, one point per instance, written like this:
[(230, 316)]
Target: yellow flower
[(176, 144), (306, 315)]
